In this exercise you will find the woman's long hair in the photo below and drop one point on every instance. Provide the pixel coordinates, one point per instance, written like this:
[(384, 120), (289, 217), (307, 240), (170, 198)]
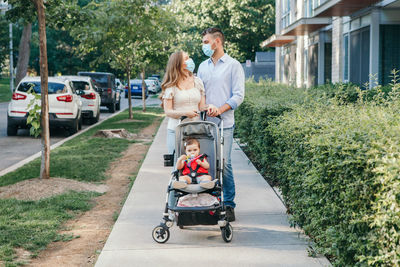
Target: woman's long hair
[(174, 73)]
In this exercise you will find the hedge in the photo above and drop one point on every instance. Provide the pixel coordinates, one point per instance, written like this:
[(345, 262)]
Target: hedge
[(336, 162)]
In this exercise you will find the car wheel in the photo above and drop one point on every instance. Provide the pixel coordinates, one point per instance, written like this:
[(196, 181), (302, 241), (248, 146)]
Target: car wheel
[(118, 105), (12, 130), (75, 128), (126, 95), (111, 107), (97, 118), (80, 123)]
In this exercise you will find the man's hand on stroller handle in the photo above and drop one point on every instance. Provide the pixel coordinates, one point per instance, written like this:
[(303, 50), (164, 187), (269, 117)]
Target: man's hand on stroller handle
[(212, 111)]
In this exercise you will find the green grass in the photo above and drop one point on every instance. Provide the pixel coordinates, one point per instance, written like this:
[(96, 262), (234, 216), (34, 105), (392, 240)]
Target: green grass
[(86, 158), (31, 225), (5, 93)]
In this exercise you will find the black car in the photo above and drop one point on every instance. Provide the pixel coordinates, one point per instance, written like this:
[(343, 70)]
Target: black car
[(110, 95)]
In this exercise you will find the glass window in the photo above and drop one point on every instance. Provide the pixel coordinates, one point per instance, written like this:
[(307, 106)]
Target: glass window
[(80, 85), (54, 88)]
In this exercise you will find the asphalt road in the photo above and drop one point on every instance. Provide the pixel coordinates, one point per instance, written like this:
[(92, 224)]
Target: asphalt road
[(16, 148)]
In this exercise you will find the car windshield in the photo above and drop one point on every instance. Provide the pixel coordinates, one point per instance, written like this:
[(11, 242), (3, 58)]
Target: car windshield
[(54, 88), (80, 85), (100, 79)]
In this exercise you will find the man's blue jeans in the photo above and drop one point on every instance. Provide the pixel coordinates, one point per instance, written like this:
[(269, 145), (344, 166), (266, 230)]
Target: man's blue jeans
[(229, 183)]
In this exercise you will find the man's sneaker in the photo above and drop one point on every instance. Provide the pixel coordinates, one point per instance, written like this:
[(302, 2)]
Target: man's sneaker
[(230, 214), (179, 184), (207, 184)]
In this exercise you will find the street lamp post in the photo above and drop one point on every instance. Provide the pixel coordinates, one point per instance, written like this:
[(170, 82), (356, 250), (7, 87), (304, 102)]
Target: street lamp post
[(11, 59)]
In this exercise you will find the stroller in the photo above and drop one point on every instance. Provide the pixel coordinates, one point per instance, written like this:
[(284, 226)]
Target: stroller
[(211, 142)]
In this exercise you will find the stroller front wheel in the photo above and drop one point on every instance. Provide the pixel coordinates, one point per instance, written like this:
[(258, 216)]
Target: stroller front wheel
[(227, 233), (161, 233)]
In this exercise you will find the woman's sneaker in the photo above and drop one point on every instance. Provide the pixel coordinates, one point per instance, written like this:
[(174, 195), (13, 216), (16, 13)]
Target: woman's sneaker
[(207, 184), (179, 184)]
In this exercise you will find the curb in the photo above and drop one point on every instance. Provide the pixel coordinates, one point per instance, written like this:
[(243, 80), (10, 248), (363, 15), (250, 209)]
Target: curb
[(39, 154)]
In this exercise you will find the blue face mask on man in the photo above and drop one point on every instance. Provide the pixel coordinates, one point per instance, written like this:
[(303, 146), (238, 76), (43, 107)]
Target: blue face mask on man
[(190, 65), (207, 50)]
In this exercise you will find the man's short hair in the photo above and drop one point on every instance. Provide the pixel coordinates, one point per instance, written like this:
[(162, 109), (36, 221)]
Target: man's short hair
[(216, 33)]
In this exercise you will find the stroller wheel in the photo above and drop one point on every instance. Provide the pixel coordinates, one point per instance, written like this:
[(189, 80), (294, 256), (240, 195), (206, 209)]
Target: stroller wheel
[(180, 226), (227, 233), (161, 233)]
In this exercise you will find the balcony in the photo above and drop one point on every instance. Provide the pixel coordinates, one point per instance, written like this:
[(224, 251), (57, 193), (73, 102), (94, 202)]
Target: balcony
[(341, 8), (277, 41), (305, 26)]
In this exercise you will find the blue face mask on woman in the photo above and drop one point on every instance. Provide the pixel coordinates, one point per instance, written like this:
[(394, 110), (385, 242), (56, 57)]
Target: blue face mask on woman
[(207, 50), (190, 65)]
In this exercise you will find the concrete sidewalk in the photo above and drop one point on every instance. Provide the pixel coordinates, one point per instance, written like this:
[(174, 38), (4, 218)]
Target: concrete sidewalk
[(262, 236)]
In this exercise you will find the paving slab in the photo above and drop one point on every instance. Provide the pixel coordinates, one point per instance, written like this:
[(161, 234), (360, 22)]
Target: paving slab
[(262, 234)]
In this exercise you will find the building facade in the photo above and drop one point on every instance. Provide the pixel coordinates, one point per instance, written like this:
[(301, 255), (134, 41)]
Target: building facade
[(319, 41)]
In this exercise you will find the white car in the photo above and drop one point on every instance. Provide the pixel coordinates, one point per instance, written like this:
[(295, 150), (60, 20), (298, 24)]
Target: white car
[(90, 98), (64, 105), (152, 86)]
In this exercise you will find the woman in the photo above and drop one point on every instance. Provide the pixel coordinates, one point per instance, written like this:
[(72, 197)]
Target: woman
[(182, 93)]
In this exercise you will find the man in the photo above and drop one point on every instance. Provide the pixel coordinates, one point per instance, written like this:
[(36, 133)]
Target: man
[(223, 79)]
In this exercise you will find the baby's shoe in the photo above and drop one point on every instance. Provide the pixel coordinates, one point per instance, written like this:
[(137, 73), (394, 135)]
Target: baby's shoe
[(179, 184), (207, 184)]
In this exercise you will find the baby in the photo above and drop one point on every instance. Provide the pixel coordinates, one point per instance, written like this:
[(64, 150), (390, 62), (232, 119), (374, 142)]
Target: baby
[(194, 166)]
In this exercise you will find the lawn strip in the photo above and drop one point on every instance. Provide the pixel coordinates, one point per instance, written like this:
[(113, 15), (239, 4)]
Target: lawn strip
[(31, 225)]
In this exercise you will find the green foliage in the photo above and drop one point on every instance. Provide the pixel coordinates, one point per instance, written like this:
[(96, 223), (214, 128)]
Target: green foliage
[(134, 34), (4, 41), (335, 156), (32, 225), (244, 23)]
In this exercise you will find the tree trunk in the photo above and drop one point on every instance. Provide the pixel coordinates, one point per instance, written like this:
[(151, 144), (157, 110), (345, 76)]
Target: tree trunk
[(24, 52), (45, 166), (129, 94), (143, 90)]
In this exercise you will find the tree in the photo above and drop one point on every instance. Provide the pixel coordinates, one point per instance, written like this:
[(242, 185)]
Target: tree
[(130, 38), (245, 23), (45, 166)]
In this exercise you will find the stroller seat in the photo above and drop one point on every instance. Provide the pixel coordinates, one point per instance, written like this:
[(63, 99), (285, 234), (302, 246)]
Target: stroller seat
[(193, 189)]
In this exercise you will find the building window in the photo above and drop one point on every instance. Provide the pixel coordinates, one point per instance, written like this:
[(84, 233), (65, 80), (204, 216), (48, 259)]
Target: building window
[(389, 52), (285, 13), (308, 8), (346, 58)]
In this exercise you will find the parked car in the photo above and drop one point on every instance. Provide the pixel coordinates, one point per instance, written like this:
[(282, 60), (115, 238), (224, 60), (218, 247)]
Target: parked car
[(89, 96), (136, 89), (153, 86), (65, 106), (110, 96)]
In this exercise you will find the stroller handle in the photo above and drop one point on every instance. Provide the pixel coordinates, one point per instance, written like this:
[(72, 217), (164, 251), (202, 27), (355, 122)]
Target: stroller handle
[(203, 116)]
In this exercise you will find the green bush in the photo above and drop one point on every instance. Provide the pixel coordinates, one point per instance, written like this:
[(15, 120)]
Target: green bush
[(336, 160)]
